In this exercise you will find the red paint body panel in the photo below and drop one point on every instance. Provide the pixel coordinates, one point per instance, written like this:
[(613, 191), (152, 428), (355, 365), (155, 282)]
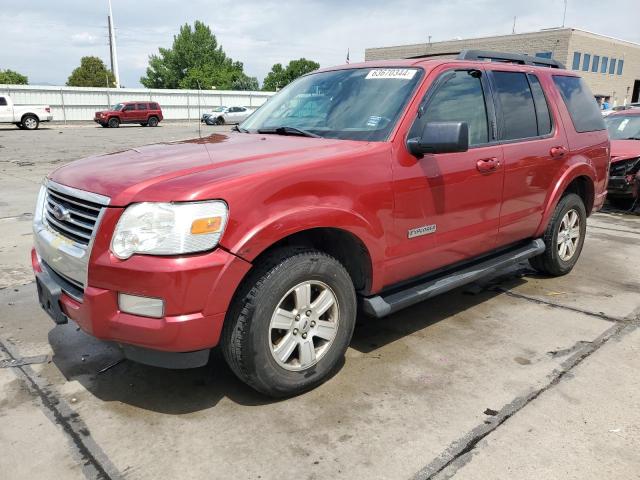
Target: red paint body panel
[(276, 186)]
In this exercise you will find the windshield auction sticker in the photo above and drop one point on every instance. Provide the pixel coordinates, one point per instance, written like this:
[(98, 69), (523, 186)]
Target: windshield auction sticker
[(386, 73)]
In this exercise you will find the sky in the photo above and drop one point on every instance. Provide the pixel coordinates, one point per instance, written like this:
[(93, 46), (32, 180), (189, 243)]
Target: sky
[(45, 39)]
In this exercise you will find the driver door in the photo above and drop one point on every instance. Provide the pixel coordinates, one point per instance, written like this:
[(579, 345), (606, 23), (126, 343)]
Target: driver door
[(447, 205)]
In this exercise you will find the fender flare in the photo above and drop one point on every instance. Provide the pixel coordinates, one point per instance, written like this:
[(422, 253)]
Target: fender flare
[(264, 235), (571, 173)]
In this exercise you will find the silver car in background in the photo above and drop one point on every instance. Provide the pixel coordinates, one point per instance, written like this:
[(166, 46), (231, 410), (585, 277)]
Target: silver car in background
[(224, 115)]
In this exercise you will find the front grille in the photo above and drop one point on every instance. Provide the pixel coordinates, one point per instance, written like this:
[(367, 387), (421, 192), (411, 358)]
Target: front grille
[(70, 216), (624, 167)]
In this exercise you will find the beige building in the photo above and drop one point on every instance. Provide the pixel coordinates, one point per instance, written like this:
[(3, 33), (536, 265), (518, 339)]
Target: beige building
[(610, 66)]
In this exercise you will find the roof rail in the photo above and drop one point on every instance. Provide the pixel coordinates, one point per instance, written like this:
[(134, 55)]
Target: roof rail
[(490, 56)]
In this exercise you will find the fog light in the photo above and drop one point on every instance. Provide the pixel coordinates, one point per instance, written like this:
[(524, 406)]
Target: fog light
[(144, 306)]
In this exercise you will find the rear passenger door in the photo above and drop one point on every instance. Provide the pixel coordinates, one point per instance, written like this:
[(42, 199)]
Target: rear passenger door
[(141, 111), (534, 148)]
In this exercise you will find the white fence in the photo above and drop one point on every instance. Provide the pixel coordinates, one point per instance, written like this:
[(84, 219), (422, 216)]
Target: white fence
[(80, 103)]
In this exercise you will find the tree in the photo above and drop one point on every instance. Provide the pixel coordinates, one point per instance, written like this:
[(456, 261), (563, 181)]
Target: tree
[(92, 72), (195, 60), (9, 77), (279, 76)]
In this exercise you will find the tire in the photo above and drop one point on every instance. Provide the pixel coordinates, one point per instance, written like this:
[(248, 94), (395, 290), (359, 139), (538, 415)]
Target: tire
[(114, 122), (553, 262), (20, 126), (621, 203), (219, 121), (152, 122), (143, 124), (30, 122), (250, 342)]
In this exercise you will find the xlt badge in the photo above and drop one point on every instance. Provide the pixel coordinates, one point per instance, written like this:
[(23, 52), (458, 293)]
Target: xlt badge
[(424, 230)]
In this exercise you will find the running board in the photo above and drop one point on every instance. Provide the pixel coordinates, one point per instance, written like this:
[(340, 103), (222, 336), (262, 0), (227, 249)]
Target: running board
[(385, 304)]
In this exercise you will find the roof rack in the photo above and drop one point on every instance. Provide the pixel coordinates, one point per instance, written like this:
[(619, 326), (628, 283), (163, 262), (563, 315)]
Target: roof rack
[(490, 56)]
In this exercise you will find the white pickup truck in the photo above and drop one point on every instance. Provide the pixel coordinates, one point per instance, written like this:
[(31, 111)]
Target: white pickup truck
[(26, 117)]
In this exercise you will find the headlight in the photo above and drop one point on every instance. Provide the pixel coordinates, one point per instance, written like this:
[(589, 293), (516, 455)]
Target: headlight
[(169, 228)]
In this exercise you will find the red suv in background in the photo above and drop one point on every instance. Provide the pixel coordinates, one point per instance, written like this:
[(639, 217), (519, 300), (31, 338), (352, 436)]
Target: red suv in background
[(624, 175), (144, 113), (368, 186)]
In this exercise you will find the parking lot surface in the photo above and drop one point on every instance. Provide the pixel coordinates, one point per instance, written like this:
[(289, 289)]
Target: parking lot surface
[(519, 377)]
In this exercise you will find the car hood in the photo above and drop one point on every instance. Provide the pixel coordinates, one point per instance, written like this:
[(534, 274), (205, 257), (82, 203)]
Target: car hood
[(124, 176), (624, 150)]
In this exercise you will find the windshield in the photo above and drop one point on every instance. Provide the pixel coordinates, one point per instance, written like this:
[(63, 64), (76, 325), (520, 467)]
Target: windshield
[(118, 106), (623, 127), (353, 104), (218, 109)]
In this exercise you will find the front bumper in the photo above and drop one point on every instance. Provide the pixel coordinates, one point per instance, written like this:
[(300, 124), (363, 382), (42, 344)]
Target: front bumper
[(620, 186)]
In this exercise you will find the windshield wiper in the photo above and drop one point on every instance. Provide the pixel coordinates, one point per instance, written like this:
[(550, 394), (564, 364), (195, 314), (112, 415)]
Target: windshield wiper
[(237, 128), (284, 130)]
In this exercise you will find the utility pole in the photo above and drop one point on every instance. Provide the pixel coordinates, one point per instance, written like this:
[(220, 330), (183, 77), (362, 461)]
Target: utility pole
[(513, 30), (564, 15), (112, 47)]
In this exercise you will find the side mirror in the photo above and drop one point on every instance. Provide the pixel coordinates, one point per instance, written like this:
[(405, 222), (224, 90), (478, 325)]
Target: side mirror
[(440, 137)]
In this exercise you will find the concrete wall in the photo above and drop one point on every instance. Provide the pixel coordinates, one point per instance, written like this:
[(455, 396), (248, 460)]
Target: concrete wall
[(79, 103), (563, 42)]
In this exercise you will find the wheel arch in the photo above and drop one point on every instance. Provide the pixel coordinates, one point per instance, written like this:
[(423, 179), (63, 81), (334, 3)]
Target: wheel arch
[(29, 114), (579, 179)]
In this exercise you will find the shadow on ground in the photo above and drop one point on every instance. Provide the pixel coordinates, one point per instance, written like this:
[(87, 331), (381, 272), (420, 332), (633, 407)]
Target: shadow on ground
[(99, 366)]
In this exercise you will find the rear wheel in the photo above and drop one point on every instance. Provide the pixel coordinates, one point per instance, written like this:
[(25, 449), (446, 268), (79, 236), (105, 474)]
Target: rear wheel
[(114, 122), (563, 238), (152, 122), (291, 322), (30, 122)]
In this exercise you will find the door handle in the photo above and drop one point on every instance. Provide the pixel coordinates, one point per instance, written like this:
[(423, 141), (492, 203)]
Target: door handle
[(487, 165), (558, 152)]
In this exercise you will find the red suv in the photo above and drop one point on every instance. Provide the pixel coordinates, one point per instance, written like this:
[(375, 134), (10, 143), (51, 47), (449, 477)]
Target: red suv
[(371, 186), (144, 113)]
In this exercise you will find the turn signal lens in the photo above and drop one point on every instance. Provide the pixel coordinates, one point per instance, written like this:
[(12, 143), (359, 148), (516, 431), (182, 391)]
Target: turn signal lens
[(206, 225)]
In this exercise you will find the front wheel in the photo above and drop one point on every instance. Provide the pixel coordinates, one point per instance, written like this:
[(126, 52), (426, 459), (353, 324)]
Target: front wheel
[(114, 122), (291, 322), (564, 237)]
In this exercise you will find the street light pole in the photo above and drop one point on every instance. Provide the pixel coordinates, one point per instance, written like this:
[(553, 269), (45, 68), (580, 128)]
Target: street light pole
[(112, 48), (564, 15)]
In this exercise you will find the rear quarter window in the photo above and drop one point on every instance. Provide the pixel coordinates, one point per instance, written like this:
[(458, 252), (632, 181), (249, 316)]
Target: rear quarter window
[(580, 102), (154, 106), (3, 101)]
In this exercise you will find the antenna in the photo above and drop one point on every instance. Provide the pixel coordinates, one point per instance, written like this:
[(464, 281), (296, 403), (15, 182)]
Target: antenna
[(112, 47)]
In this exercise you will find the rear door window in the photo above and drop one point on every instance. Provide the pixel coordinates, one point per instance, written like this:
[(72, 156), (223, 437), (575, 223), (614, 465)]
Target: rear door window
[(516, 104), (580, 102), (143, 106)]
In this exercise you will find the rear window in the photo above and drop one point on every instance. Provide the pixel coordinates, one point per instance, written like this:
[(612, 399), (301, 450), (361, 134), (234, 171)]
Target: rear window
[(580, 102), (516, 101)]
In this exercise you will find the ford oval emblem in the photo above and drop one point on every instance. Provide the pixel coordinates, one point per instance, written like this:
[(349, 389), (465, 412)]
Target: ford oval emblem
[(61, 213)]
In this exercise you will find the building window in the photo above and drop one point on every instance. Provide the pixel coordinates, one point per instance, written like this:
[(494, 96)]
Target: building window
[(605, 62), (595, 64), (586, 62), (544, 54), (612, 66), (620, 66), (576, 60)]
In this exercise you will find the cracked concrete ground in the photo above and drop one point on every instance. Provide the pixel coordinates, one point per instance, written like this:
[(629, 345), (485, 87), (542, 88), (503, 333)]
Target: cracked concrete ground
[(519, 377)]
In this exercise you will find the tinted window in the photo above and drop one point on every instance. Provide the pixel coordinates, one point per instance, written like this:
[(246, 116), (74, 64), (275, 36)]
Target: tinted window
[(620, 66), (612, 66), (576, 60), (154, 106), (142, 106), (585, 62), (595, 63), (580, 102), (128, 108), (542, 107), (516, 102), (459, 99), (605, 62), (3, 101)]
